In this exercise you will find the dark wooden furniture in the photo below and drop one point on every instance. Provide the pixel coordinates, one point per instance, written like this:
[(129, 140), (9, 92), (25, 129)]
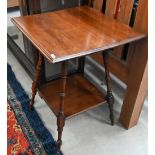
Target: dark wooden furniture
[(67, 34)]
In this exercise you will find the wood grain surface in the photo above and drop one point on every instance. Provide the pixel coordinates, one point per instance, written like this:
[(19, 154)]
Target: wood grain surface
[(80, 96), (74, 32), (138, 77)]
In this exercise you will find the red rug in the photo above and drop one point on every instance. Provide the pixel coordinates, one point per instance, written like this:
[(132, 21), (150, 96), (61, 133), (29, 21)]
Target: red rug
[(17, 142), (27, 133)]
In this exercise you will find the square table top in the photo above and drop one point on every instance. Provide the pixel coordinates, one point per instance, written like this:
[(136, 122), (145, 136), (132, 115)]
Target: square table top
[(74, 32)]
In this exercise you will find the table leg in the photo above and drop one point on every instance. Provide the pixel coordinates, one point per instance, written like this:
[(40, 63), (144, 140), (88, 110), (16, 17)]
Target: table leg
[(61, 116), (81, 64), (36, 79), (110, 98)]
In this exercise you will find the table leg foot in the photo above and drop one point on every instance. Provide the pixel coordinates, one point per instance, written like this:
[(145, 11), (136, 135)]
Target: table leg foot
[(31, 105), (60, 124), (58, 151), (110, 100)]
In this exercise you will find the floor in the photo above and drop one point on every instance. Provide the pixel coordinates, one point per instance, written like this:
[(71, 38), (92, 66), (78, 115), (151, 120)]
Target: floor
[(90, 132)]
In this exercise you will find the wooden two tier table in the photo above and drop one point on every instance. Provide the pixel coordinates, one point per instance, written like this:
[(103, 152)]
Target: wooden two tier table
[(73, 33)]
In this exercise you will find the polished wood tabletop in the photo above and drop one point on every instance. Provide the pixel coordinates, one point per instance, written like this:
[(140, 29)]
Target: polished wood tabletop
[(74, 32)]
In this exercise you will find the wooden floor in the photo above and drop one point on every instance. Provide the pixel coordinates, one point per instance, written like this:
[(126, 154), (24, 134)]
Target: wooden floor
[(81, 95)]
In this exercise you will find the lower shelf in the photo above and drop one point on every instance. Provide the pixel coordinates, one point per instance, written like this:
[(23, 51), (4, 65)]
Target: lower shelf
[(81, 95)]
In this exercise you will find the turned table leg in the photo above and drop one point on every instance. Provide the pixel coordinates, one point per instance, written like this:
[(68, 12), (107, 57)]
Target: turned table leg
[(61, 116), (81, 64), (110, 98), (36, 79)]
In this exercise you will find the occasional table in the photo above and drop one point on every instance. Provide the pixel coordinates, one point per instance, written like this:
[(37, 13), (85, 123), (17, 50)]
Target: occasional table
[(73, 33)]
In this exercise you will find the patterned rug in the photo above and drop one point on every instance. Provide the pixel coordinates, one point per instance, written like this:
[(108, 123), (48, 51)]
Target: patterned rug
[(26, 132), (17, 142)]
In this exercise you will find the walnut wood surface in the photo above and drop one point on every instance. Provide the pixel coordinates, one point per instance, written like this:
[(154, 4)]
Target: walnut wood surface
[(74, 32), (80, 95)]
